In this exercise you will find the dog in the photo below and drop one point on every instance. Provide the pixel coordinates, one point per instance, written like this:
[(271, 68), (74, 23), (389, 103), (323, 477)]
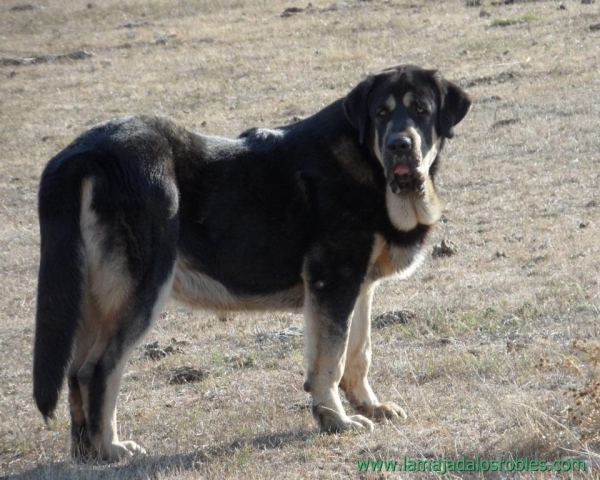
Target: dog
[(309, 216)]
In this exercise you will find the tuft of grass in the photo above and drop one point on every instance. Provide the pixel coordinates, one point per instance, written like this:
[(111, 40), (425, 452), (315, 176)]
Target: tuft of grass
[(241, 361), (507, 22)]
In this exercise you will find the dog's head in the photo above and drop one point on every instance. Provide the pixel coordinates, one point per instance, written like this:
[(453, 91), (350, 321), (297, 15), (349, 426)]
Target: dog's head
[(403, 114)]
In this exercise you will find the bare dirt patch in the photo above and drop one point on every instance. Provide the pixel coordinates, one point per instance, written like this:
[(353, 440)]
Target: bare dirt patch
[(518, 181)]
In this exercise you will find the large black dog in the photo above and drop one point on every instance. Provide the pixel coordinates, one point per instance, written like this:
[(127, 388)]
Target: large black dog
[(307, 216)]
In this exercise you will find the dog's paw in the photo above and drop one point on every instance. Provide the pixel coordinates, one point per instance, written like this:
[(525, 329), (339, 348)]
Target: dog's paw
[(331, 421), (364, 421), (381, 412), (133, 447), (386, 411), (119, 450)]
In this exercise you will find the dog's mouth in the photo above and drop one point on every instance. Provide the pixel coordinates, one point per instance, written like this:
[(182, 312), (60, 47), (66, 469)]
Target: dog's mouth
[(401, 173)]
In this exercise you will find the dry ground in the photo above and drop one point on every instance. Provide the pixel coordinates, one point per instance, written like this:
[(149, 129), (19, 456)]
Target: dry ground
[(485, 365)]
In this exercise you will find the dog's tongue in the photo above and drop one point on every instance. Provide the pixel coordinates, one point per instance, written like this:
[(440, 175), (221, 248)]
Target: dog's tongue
[(401, 169)]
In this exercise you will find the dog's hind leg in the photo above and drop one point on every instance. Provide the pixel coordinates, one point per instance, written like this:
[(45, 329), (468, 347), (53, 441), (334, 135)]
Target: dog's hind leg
[(99, 377), (331, 287), (130, 253), (80, 440), (358, 360), (85, 341)]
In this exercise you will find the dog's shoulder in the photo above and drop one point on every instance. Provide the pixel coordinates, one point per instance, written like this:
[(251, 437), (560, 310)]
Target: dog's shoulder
[(261, 133), (260, 138)]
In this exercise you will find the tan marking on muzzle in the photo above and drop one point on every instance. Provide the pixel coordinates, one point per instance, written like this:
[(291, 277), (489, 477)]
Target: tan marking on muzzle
[(424, 163), (415, 138), (377, 148), (433, 151)]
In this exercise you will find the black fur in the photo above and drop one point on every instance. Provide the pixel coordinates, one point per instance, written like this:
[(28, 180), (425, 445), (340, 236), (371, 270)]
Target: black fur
[(61, 279)]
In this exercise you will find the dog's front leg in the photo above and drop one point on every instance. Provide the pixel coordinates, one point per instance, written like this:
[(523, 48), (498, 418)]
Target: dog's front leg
[(330, 293), (358, 360)]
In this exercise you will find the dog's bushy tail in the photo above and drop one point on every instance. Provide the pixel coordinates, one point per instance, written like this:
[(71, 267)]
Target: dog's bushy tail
[(61, 280)]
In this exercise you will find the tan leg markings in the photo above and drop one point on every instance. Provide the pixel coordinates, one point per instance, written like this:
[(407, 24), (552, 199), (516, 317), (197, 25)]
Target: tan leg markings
[(110, 447), (106, 443), (358, 361), (80, 443), (325, 357)]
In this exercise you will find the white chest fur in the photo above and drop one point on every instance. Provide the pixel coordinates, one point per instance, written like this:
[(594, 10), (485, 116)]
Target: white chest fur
[(408, 210), (393, 260)]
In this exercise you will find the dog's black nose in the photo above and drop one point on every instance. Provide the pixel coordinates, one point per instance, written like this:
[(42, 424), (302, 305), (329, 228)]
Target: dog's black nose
[(399, 144)]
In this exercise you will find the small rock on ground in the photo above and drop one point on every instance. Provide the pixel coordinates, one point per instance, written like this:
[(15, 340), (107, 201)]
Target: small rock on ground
[(446, 248), (281, 335), (396, 317), (182, 375)]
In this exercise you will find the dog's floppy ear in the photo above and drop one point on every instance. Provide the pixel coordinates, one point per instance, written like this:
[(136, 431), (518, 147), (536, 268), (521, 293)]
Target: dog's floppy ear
[(356, 108), (454, 106)]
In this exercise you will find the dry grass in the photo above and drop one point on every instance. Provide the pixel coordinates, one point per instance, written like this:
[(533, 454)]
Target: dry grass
[(487, 368)]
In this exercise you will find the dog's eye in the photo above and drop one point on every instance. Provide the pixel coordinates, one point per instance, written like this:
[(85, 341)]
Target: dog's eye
[(420, 108), (382, 112)]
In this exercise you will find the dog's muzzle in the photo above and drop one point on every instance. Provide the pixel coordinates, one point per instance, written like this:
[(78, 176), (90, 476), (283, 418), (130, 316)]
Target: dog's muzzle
[(401, 162)]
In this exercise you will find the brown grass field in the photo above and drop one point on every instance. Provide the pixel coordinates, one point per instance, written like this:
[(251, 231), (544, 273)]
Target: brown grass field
[(500, 358)]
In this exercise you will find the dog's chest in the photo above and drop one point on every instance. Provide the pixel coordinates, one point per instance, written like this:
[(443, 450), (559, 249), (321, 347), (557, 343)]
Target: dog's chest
[(401, 210), (388, 259)]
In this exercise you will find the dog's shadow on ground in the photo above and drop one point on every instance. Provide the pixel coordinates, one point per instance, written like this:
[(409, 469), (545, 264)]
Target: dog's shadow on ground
[(151, 466)]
